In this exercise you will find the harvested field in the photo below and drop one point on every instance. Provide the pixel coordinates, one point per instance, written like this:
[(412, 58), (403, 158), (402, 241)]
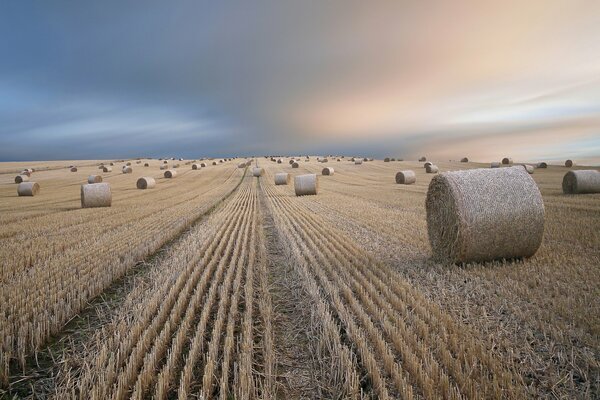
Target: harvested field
[(221, 284)]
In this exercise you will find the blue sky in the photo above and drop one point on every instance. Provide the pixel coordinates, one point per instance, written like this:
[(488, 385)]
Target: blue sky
[(124, 79)]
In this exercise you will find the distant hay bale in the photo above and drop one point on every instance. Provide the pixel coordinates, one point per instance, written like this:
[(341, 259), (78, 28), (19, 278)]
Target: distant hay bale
[(542, 165), (327, 171), (165, 162), (507, 161), (495, 164), (295, 164), (581, 182), (164, 166), (138, 162), (74, 169), (484, 214), (392, 159), (195, 166), (128, 164), (279, 161), (170, 173), (427, 164), (145, 182), (324, 160), (127, 170), (112, 164), (432, 169), (387, 159), (202, 165), (101, 166), (569, 163), (358, 161), (464, 159), (94, 179), (107, 169), (422, 159), (146, 165), (242, 165), (291, 161), (282, 178), (96, 195), (28, 189), (25, 172), (306, 184), (407, 177), (365, 159), (214, 163), (258, 172), (528, 168), (21, 178)]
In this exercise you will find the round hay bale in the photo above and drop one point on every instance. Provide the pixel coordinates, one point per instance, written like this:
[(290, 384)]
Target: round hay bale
[(164, 166), (28, 189), (282, 178), (306, 184), (127, 170), (138, 162), (542, 165), (195, 166), (257, 172), (365, 159), (507, 161), (21, 178), (569, 163), (358, 161), (422, 159), (214, 163), (107, 169), (464, 159), (94, 179), (170, 173), (279, 161), (112, 164), (407, 177), (74, 169), (327, 171), (324, 160), (295, 164), (202, 165), (146, 165), (145, 182), (165, 162), (392, 159), (291, 161), (387, 159), (484, 214), (495, 164), (582, 181), (528, 168), (101, 166), (128, 164), (427, 164), (26, 172), (432, 169), (96, 195)]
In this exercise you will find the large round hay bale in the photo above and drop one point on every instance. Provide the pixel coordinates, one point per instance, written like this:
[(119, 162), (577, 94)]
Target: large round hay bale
[(358, 161), (427, 164), (146, 165), (542, 165), (306, 184), (507, 161), (422, 159), (96, 195), (107, 169), (432, 169), (145, 182), (257, 172), (21, 178), (495, 164), (484, 214), (581, 181), (74, 169), (407, 177), (28, 189), (327, 171), (464, 159), (202, 165), (195, 166), (295, 164), (569, 163), (170, 173), (214, 163), (127, 170), (387, 159), (282, 178), (528, 168), (94, 179)]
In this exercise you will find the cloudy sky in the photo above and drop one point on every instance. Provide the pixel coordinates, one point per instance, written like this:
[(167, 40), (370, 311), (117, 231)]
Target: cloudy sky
[(485, 79)]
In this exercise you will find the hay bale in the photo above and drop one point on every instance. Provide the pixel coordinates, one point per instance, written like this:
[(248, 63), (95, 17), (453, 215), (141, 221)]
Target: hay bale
[(365, 159), (422, 159), (495, 164), (112, 164), (484, 214), (358, 161), (282, 178), (96, 195), (295, 164), (242, 165), (214, 163), (145, 182), (146, 165), (258, 172), (291, 161), (387, 159), (306, 184), (127, 170), (164, 166), (94, 179), (279, 161), (128, 164), (107, 169), (25, 172), (324, 160), (528, 168), (464, 159), (28, 189), (569, 163), (74, 169), (432, 169), (195, 166), (165, 162), (582, 181), (170, 173), (101, 166), (138, 162), (392, 159), (507, 161), (542, 165), (407, 177), (327, 171), (427, 164), (202, 165), (21, 178)]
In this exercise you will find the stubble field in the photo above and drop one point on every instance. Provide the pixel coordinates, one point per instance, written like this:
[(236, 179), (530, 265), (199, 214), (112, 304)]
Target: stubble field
[(217, 284)]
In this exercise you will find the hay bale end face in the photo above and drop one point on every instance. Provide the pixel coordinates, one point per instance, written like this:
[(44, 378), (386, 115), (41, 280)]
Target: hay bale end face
[(170, 173), (195, 166), (257, 172), (282, 178), (21, 178), (28, 189), (542, 165), (327, 171), (145, 182), (74, 169), (432, 169), (581, 182), (569, 163), (94, 179), (127, 170), (507, 161), (427, 164), (96, 195), (295, 164), (107, 169), (464, 159), (406, 177), (202, 165), (306, 184), (279, 161), (422, 159), (483, 215), (146, 165)]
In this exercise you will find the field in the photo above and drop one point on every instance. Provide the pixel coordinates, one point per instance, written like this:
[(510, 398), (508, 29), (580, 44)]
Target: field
[(217, 284)]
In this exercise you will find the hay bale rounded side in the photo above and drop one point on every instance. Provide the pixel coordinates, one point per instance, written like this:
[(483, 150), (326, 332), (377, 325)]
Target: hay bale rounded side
[(282, 178), (569, 163), (306, 184), (107, 169), (484, 214), (327, 171), (581, 182), (258, 172), (94, 179), (202, 165), (407, 177), (127, 170), (145, 182), (542, 165), (170, 173), (427, 164), (21, 178), (195, 166), (422, 159), (464, 159), (28, 189), (507, 161), (432, 169), (295, 164), (358, 161), (96, 195), (25, 172)]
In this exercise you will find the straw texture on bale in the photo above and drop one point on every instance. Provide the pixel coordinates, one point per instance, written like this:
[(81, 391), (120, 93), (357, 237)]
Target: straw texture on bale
[(145, 182), (295, 164), (127, 170), (542, 165), (569, 163), (21, 178), (528, 168), (74, 169), (432, 169), (495, 164), (327, 171), (96, 195), (358, 161), (170, 173), (464, 159), (257, 171), (581, 182), (195, 166), (507, 161), (423, 159), (28, 189), (306, 184), (282, 178), (94, 179), (107, 169), (407, 177), (484, 214)]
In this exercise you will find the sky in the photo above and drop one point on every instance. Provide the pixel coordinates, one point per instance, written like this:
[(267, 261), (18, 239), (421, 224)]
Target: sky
[(444, 79)]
